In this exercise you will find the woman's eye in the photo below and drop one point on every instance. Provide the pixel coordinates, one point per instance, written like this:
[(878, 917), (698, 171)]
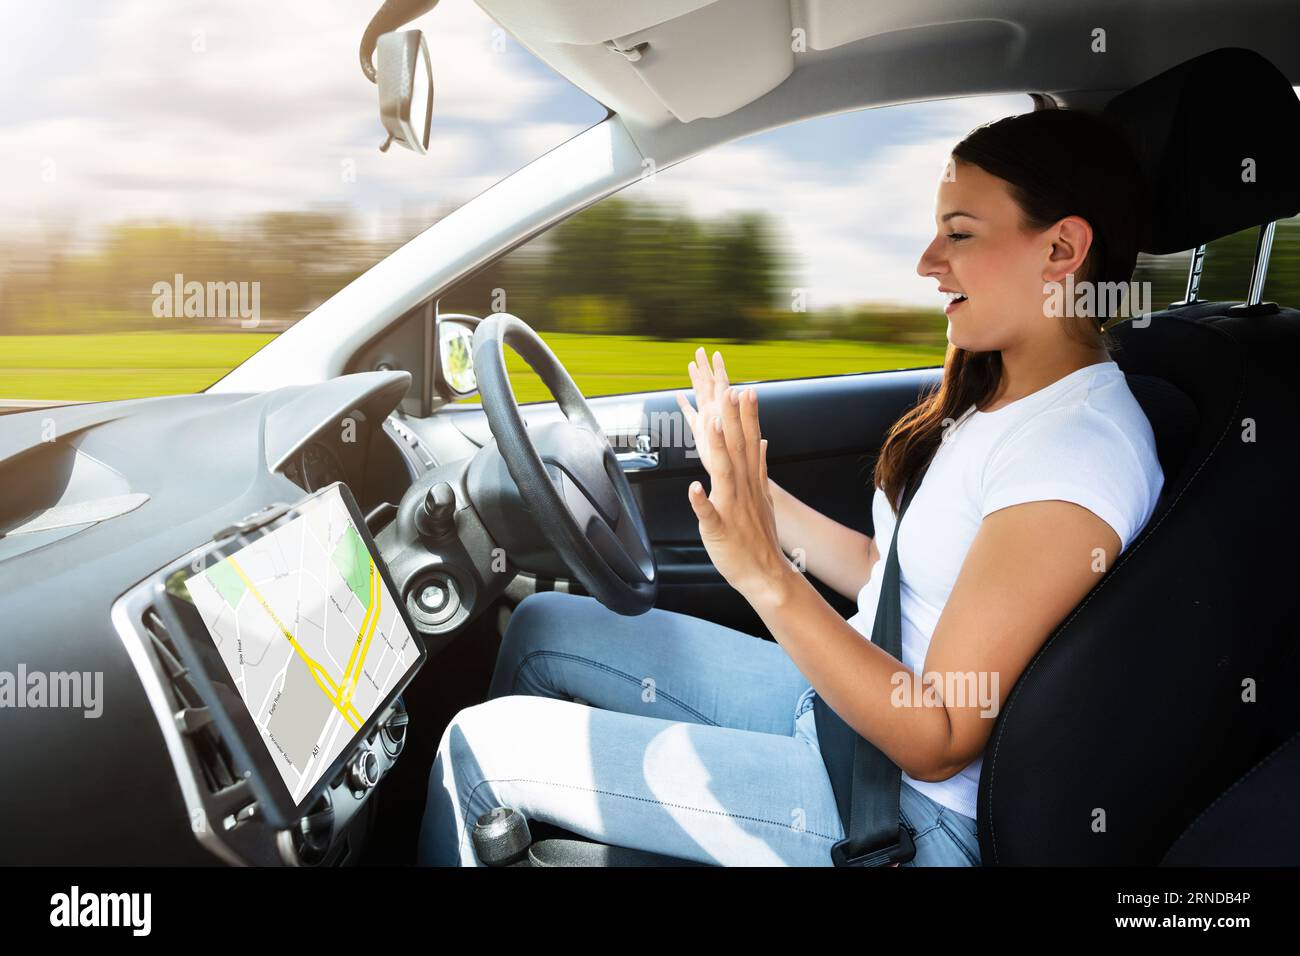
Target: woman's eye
[(958, 236)]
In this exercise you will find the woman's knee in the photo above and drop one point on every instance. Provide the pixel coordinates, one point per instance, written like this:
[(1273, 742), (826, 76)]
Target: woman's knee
[(457, 773), (545, 620), (472, 736), (544, 613), (456, 743)]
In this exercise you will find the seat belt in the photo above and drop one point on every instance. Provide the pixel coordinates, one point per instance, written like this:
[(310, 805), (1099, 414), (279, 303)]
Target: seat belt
[(867, 784)]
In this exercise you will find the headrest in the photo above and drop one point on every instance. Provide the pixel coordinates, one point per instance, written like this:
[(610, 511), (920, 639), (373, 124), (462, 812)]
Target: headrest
[(1194, 127)]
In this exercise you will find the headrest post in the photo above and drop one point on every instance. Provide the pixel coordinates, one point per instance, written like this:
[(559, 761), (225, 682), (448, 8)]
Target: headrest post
[(1258, 271), (1193, 279)]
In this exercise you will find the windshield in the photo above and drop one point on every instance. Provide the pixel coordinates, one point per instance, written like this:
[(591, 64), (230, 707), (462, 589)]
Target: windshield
[(184, 181)]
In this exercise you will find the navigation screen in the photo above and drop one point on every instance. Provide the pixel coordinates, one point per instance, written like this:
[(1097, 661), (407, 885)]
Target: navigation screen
[(311, 634)]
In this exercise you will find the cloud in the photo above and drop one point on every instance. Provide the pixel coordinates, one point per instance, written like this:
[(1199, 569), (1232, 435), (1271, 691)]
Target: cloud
[(857, 226), (212, 110)]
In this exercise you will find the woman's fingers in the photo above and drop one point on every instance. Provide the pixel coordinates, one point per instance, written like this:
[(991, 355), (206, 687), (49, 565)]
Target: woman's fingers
[(694, 421), (720, 379), (687, 412), (697, 385), (705, 513), (720, 465), (750, 427), (709, 379), (734, 433), (763, 482), (703, 377)]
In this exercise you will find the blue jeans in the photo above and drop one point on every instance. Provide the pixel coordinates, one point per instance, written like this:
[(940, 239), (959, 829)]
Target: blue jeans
[(661, 732)]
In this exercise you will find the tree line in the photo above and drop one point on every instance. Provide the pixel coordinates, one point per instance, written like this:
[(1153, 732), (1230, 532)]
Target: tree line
[(621, 266)]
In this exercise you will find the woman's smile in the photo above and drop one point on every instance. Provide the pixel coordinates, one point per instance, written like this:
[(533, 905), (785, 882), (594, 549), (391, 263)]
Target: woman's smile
[(954, 299)]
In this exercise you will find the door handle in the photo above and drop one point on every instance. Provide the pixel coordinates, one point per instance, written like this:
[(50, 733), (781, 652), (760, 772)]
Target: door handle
[(643, 459)]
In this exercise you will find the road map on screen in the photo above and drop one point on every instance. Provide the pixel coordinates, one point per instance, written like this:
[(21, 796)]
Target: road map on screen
[(310, 633)]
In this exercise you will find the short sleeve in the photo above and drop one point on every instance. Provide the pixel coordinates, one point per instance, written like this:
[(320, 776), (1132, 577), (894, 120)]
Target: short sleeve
[(1070, 454)]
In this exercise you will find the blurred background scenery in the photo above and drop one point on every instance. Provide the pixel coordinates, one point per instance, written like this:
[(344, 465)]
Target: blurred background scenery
[(236, 143)]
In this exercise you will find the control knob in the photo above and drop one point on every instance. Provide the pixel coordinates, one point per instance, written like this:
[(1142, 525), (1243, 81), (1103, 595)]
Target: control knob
[(363, 772)]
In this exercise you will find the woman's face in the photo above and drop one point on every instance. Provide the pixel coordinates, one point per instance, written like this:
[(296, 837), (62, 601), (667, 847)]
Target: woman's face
[(982, 251)]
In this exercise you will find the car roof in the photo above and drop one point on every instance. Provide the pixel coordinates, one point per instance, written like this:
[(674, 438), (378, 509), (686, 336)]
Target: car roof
[(714, 70)]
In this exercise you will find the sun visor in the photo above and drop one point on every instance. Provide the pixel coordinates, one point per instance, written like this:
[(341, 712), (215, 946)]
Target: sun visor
[(714, 60)]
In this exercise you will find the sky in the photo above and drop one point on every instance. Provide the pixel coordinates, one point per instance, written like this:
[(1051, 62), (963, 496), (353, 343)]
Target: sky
[(213, 110)]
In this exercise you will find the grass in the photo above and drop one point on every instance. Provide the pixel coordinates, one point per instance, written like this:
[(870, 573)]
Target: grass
[(138, 364), (100, 367)]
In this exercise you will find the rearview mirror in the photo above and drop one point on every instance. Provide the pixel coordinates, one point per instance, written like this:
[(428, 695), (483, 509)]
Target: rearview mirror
[(405, 81)]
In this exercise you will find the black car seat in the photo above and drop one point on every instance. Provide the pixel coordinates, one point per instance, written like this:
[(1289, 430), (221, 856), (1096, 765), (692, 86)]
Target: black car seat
[(1174, 676), (1252, 823), (1152, 723)]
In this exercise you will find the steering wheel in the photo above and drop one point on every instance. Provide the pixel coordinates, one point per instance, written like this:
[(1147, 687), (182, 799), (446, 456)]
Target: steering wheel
[(575, 489)]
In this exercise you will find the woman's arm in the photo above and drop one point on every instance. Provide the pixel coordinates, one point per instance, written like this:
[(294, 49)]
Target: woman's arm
[(838, 555), (1027, 567)]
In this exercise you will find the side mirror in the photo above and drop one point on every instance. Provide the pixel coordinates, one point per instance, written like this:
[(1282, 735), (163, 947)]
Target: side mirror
[(455, 359), (405, 81)]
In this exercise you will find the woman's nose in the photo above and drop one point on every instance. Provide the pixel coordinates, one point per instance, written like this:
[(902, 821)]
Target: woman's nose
[(931, 263)]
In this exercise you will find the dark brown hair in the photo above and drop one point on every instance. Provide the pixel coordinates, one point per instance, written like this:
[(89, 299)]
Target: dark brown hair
[(1057, 163)]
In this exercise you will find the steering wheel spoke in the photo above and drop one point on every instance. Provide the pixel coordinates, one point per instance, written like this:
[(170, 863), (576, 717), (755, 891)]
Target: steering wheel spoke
[(619, 544)]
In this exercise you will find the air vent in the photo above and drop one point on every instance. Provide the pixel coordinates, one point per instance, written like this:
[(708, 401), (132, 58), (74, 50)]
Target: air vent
[(193, 718), (218, 798), (411, 440)]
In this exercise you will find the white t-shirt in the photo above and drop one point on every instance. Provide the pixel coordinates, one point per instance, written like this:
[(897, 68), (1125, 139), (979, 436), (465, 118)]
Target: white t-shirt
[(1084, 438)]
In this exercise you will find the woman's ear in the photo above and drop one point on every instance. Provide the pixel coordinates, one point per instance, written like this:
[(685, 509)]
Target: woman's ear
[(1071, 240)]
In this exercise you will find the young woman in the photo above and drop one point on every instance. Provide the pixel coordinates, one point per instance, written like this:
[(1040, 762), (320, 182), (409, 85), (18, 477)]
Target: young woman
[(672, 734)]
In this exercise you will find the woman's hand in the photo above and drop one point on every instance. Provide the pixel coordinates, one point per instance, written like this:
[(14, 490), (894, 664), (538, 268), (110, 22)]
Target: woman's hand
[(709, 385), (737, 520)]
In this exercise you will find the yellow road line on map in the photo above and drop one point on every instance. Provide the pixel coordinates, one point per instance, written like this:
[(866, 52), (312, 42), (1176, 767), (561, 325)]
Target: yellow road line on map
[(371, 616), (371, 608), (350, 686), (317, 671)]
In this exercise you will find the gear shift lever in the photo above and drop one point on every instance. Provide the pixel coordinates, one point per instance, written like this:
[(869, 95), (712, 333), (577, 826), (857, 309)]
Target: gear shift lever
[(501, 837)]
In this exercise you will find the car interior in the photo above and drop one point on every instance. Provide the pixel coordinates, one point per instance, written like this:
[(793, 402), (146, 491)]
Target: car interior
[(1165, 696)]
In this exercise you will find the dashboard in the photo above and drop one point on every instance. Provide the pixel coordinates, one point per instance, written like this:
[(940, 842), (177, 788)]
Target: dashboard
[(99, 498)]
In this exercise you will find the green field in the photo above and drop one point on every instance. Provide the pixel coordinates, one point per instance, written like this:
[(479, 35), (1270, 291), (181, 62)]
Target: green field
[(139, 364), (119, 365)]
